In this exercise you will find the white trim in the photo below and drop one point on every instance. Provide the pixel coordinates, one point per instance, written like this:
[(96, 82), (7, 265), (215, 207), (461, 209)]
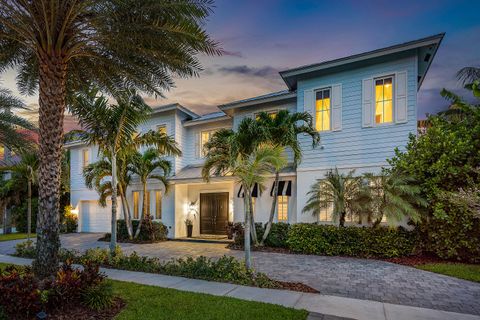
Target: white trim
[(357, 166), (383, 77)]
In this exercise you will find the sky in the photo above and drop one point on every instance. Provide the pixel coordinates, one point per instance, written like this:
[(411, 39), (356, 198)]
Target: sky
[(262, 37)]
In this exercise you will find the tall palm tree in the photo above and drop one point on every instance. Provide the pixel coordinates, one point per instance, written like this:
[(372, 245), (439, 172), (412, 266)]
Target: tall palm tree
[(344, 191), (468, 75), (147, 166), (283, 130), (25, 170), (59, 47), (393, 196)]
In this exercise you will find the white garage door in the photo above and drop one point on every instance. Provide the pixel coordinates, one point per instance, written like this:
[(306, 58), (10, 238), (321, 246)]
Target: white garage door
[(95, 218)]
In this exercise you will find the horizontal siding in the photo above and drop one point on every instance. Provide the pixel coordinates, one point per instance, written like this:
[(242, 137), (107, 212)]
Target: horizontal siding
[(354, 145)]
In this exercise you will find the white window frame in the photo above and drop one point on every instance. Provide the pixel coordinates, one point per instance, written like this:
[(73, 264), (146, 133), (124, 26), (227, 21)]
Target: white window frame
[(287, 206), (382, 77), (329, 88)]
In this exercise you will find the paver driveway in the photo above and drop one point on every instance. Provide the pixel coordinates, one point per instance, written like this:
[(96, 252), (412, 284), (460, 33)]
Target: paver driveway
[(348, 277)]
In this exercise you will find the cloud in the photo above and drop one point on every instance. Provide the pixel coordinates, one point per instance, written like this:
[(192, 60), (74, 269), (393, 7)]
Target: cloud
[(237, 54), (266, 71)]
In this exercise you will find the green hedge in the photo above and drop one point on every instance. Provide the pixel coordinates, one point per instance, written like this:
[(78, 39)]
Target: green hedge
[(277, 237), (156, 232), (351, 241)]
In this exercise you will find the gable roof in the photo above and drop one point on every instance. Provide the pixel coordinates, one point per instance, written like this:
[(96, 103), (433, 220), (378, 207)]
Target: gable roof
[(206, 118), (266, 98), (426, 46), (174, 106)]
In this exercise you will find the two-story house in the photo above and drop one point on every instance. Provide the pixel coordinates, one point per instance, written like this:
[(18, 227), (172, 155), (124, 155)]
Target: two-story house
[(363, 105)]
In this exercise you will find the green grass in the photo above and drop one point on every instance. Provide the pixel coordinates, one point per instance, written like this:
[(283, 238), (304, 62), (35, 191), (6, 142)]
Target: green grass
[(15, 236), (149, 302), (458, 270)]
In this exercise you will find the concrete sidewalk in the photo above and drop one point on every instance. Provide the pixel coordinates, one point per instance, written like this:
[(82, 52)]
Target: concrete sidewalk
[(315, 303)]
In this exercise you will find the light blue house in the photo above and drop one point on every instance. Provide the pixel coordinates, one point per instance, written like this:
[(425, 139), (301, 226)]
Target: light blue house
[(363, 106)]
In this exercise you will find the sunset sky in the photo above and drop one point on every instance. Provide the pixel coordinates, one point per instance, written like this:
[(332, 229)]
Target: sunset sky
[(263, 37)]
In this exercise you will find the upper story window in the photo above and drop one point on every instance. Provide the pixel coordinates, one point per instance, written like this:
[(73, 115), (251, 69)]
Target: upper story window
[(282, 209), (322, 110), (204, 138), (85, 157), (384, 100), (272, 114), (162, 128)]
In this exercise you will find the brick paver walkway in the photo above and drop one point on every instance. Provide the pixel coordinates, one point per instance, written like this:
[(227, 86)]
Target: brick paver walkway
[(346, 277)]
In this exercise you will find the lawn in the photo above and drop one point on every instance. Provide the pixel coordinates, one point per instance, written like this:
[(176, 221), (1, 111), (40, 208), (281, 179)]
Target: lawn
[(149, 302), (15, 236), (458, 270)]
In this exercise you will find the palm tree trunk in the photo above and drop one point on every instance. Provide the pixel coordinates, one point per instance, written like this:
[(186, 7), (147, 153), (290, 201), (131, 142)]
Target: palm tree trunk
[(29, 209), (144, 209), (248, 262), (342, 218), (52, 96), (113, 238), (126, 211), (272, 209), (253, 230)]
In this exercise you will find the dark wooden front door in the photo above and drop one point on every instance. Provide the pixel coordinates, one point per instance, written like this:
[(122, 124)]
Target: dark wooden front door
[(213, 212)]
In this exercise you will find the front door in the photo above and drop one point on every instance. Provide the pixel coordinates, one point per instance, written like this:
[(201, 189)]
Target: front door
[(213, 212)]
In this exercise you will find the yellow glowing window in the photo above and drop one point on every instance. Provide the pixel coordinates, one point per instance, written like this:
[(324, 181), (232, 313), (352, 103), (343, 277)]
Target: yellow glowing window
[(162, 129), (271, 114), (322, 110), (158, 204), (384, 100), (282, 210), (85, 157), (136, 204), (325, 214), (204, 137)]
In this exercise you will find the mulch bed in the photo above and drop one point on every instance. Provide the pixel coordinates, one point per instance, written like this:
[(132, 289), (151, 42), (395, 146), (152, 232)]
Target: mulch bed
[(417, 260), (107, 239), (80, 312), (234, 246), (296, 286)]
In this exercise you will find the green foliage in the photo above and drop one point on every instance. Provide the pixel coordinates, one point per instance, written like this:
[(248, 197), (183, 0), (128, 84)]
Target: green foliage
[(98, 297), (153, 231), (19, 215), (351, 241), (69, 220), (25, 249), (277, 238), (444, 160)]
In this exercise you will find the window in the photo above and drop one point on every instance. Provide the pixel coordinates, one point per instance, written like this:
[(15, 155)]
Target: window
[(282, 210), (158, 204), (325, 214), (136, 204), (162, 128), (322, 110), (85, 157), (204, 137), (272, 114), (384, 100)]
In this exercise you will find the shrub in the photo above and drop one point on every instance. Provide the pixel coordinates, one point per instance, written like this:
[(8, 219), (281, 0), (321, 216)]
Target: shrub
[(351, 241), (276, 238), (151, 231), (19, 215), (25, 249), (98, 297), (69, 221)]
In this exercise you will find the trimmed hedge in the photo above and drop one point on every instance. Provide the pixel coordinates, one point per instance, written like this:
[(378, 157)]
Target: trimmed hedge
[(277, 238), (364, 242), (154, 231)]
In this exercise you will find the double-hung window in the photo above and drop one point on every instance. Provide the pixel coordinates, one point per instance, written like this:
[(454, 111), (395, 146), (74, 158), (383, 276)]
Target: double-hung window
[(204, 138), (384, 100), (282, 208), (323, 113)]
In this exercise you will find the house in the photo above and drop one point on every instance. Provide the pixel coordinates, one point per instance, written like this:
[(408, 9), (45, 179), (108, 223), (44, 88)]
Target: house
[(364, 106)]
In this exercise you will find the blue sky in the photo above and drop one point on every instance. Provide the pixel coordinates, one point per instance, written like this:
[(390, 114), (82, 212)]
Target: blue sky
[(263, 37)]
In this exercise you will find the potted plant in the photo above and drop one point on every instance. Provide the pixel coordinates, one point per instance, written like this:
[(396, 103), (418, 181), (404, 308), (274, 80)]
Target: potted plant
[(189, 224)]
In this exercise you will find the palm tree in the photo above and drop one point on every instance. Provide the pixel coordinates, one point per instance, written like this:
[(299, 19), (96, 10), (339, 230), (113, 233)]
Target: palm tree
[(25, 170), (283, 130), (393, 196), (468, 75), (60, 47), (344, 191), (144, 165)]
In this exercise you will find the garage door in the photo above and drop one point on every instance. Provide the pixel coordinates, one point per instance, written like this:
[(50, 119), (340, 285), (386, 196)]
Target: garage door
[(95, 218)]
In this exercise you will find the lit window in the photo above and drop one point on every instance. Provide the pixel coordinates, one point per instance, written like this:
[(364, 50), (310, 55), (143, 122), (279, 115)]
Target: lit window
[(162, 129), (383, 100), (204, 137), (158, 204), (136, 204), (2, 153), (325, 214), (271, 114), (85, 157), (282, 210), (322, 110)]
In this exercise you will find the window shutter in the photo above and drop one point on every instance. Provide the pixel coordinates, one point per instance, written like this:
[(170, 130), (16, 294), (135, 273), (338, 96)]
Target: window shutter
[(400, 106), (337, 107), (367, 102), (309, 102), (197, 145)]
